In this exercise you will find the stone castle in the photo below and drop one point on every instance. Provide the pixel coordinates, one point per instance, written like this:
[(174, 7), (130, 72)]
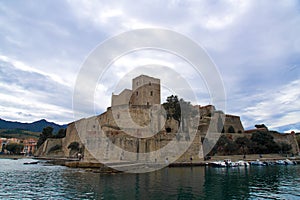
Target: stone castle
[(145, 91), (135, 128)]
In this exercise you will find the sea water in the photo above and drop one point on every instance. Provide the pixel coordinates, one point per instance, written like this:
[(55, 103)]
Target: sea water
[(42, 181)]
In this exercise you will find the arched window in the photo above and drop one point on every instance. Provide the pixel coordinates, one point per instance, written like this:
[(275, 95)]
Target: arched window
[(231, 129)]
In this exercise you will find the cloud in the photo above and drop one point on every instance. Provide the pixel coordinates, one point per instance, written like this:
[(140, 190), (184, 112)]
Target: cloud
[(25, 92), (255, 45), (276, 108)]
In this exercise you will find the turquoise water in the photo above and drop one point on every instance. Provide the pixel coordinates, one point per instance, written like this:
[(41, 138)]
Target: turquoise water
[(18, 181)]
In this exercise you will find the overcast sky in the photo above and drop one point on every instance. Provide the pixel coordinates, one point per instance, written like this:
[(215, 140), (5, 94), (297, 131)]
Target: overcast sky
[(255, 46)]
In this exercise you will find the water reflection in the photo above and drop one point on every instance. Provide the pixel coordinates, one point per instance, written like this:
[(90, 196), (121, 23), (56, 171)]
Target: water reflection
[(19, 181), (227, 183)]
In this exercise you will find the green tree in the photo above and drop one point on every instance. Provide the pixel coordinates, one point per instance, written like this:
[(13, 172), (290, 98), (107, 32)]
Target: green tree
[(219, 146), (243, 142), (231, 148), (47, 133), (15, 148), (284, 147), (172, 107), (263, 142), (61, 133), (180, 110)]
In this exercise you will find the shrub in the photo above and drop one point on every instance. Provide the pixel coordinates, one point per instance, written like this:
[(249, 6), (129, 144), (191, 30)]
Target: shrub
[(264, 143), (284, 147), (15, 148)]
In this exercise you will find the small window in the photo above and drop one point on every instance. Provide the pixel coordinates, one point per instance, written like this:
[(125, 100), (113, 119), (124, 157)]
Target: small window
[(137, 93), (168, 129), (151, 93), (137, 83), (149, 83)]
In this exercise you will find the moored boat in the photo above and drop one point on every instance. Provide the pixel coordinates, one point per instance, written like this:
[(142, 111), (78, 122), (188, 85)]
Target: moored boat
[(31, 163), (218, 164), (257, 163), (242, 163)]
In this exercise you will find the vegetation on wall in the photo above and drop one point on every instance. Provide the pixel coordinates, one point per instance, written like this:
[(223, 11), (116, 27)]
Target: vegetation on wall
[(175, 106), (48, 133), (61, 133), (298, 139), (259, 143)]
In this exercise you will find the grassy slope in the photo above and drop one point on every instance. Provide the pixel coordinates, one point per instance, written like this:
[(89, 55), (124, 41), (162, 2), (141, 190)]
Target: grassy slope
[(17, 133)]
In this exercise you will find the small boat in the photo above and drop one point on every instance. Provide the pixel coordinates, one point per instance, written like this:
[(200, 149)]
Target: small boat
[(288, 162), (242, 163), (31, 163), (218, 164), (280, 162), (257, 163), (229, 163)]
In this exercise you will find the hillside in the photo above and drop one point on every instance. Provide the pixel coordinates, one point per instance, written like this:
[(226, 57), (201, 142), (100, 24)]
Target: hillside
[(36, 126), (18, 133)]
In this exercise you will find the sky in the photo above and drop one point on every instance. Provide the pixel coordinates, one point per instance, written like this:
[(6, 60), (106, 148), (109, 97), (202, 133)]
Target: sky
[(255, 46)]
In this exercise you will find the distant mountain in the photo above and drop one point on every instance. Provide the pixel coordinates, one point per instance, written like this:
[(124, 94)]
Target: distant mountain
[(34, 126), (288, 128)]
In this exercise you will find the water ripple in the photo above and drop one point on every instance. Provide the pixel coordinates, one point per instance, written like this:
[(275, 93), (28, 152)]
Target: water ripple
[(18, 181)]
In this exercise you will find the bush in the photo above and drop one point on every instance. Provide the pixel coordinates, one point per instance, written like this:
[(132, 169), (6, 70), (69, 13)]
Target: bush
[(47, 133), (15, 148), (264, 143), (61, 133), (284, 147)]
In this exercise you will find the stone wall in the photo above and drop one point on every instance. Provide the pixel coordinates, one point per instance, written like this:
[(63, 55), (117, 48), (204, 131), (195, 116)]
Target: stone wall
[(45, 148), (145, 91), (105, 141), (278, 138), (143, 120), (234, 122), (122, 99), (288, 139), (110, 143)]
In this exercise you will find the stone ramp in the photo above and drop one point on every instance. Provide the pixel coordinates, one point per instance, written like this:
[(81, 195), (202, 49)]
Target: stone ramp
[(133, 167), (128, 167), (116, 166)]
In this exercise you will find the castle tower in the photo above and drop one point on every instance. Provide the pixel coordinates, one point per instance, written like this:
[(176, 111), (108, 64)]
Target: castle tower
[(145, 91)]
